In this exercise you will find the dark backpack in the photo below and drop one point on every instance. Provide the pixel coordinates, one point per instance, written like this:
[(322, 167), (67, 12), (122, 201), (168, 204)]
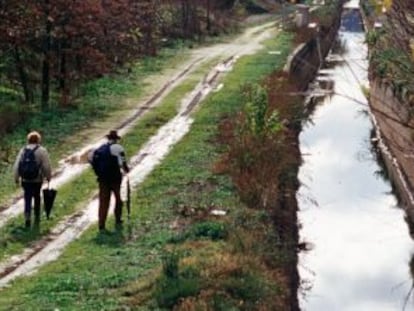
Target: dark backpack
[(102, 162), (28, 167)]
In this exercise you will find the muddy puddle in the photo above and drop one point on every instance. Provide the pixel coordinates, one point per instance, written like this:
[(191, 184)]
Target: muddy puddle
[(361, 253)]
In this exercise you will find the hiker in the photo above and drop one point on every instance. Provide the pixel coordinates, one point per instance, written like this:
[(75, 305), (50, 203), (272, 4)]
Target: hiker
[(109, 164), (31, 167)]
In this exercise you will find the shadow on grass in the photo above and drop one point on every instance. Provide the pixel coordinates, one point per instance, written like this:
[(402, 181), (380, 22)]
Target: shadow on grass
[(19, 233), (114, 238)]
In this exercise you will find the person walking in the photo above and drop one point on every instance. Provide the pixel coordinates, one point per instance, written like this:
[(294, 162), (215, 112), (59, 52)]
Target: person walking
[(109, 163), (31, 167)]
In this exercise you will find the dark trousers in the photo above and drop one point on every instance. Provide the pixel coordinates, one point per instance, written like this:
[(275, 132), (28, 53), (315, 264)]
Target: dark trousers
[(105, 190), (31, 193)]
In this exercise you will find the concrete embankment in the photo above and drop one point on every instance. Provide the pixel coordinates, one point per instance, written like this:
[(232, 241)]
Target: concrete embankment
[(394, 125), (306, 60), (394, 133)]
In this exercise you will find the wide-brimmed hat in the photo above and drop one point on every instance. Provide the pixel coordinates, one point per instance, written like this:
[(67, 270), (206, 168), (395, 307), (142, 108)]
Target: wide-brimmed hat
[(113, 135)]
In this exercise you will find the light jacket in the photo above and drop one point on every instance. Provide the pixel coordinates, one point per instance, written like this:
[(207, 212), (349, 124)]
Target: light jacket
[(42, 158), (118, 151)]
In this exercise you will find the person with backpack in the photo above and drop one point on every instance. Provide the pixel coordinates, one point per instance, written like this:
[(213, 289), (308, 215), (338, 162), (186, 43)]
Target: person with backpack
[(31, 167), (109, 163)]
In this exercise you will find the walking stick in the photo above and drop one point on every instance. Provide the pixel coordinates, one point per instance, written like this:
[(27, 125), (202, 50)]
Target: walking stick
[(128, 202)]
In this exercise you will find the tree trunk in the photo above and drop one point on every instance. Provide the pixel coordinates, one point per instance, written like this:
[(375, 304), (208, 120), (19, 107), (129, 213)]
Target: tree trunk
[(185, 18), (62, 66), (28, 97), (46, 61), (208, 17), (64, 87)]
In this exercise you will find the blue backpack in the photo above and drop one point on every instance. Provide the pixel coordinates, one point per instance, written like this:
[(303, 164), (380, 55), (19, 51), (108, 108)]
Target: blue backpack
[(28, 167), (103, 162)]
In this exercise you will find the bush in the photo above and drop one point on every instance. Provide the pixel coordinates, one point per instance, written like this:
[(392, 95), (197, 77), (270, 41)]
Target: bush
[(170, 265), (173, 285), (212, 230), (170, 290), (208, 229)]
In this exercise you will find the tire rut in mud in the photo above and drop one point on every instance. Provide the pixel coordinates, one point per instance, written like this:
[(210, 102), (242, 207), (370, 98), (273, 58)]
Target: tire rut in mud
[(50, 246), (67, 168)]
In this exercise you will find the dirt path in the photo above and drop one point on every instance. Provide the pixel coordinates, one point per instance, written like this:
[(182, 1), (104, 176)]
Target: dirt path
[(151, 154)]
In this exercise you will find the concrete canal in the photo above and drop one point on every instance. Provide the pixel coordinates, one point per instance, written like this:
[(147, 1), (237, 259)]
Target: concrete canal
[(360, 250)]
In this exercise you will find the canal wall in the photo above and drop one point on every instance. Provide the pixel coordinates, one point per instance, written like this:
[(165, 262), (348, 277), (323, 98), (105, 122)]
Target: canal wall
[(304, 63), (394, 132), (394, 127)]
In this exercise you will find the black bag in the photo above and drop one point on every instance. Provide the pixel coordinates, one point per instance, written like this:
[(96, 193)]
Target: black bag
[(101, 162), (49, 196), (28, 167)]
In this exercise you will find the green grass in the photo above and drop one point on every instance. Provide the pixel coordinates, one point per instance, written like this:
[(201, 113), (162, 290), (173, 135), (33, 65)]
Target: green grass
[(94, 270), (14, 238)]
